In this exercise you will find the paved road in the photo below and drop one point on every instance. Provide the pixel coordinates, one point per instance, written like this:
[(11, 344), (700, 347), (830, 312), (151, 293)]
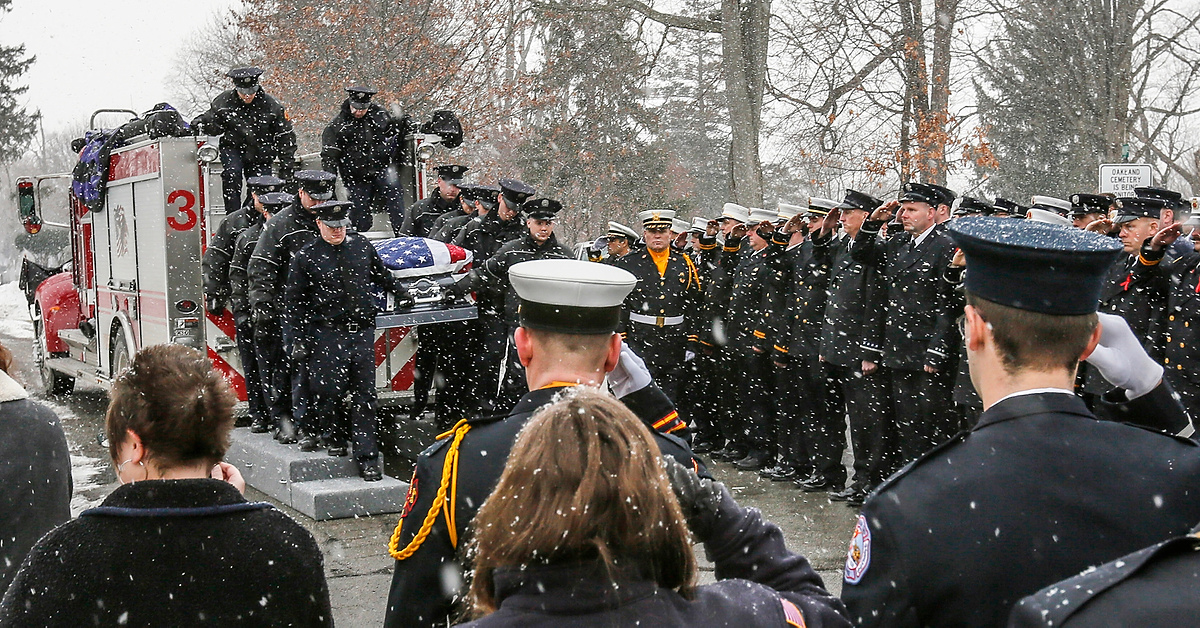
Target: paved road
[(356, 561)]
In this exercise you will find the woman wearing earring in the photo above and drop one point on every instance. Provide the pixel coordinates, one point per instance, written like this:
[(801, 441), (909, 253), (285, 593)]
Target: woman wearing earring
[(177, 544)]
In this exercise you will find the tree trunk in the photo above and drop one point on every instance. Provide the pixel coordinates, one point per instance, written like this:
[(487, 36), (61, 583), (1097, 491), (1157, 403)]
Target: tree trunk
[(743, 45), (935, 137)]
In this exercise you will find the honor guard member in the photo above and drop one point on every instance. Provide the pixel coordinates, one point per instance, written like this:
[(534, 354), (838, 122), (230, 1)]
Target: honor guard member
[(360, 146), (854, 289), (569, 313), (282, 237), (620, 240), (679, 233), (1025, 498), (1048, 209), (419, 219), (537, 243), (1175, 209), (1088, 208), (220, 247), (1176, 330), (254, 129), (1157, 587), (485, 235), (331, 312), (967, 206), (257, 377), (477, 200), (662, 314), (915, 340), (1004, 208)]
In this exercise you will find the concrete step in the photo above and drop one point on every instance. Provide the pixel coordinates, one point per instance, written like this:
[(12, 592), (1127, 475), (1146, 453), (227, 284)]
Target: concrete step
[(317, 484)]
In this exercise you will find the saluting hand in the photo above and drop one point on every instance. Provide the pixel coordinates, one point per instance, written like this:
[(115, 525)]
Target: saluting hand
[(712, 228), (1104, 226), (1166, 236), (885, 211)]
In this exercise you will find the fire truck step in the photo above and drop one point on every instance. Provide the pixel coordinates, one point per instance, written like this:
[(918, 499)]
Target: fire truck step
[(314, 483), (75, 368)]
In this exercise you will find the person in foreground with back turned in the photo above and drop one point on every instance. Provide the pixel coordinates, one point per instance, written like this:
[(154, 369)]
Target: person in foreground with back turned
[(177, 544), (1040, 488), (569, 312), (583, 530)]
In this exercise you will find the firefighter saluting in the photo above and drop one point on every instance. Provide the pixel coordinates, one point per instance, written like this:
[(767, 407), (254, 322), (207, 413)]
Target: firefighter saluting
[(254, 130)]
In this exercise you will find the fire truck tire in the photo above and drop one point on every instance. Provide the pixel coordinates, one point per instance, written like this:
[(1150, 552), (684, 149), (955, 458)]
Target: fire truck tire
[(120, 353), (53, 382)]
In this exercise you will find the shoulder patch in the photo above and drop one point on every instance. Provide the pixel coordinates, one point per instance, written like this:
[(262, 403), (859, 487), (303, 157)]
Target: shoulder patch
[(792, 615), (858, 558), (410, 499)]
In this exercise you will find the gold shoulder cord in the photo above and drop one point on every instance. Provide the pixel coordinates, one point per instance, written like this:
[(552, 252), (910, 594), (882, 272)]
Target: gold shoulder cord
[(692, 272), (449, 469)]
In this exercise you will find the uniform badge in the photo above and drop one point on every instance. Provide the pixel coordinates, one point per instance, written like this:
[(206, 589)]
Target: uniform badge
[(410, 499), (792, 615), (858, 558)]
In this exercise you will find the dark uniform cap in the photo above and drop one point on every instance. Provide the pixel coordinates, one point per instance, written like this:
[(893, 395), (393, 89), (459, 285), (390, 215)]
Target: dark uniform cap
[(1034, 266), (360, 96), (484, 194), (857, 200), (318, 183), (1090, 204), (970, 205), (516, 192), (1134, 207), (276, 199), (452, 173), (334, 213), (245, 79), (264, 184), (1171, 199), (571, 296), (541, 208), (1012, 207), (926, 193)]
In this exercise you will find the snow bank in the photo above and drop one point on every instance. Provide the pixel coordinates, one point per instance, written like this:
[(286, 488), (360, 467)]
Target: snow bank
[(14, 313)]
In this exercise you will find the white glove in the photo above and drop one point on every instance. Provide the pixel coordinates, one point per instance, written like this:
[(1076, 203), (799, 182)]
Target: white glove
[(688, 356), (1122, 360), (631, 374)]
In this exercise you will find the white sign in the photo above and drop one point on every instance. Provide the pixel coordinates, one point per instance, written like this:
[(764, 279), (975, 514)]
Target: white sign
[(1120, 179)]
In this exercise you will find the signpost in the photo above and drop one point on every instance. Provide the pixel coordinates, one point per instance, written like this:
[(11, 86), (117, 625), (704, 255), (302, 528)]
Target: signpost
[(1120, 179)]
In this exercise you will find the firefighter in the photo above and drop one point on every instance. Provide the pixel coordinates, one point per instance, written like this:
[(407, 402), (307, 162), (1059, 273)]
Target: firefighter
[(477, 200), (254, 130), (282, 236), (220, 249), (662, 314), (484, 235), (359, 146), (419, 219), (331, 313), (257, 394), (621, 241)]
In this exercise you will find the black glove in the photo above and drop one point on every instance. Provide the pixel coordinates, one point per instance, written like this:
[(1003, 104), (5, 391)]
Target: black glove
[(262, 316), (700, 500), (215, 306), (297, 352)]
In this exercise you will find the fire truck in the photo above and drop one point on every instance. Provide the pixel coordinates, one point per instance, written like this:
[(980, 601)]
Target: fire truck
[(134, 279)]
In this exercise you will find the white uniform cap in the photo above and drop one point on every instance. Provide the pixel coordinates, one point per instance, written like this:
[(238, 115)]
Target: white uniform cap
[(1050, 203), (1043, 215), (733, 211), (616, 228), (699, 224), (758, 214), (656, 218), (570, 296), (787, 212), (822, 205), (679, 226)]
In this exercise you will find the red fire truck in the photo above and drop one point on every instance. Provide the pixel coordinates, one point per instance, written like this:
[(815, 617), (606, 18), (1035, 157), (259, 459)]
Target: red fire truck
[(135, 274)]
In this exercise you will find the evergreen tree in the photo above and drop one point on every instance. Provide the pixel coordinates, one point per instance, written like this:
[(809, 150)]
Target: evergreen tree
[(17, 124)]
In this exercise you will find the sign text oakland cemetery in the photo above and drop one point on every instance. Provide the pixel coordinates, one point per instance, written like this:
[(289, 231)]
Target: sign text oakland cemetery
[(1120, 179)]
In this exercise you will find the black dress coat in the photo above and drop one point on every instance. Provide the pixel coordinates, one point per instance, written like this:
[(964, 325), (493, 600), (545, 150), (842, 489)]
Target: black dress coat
[(1038, 491), (422, 592), (1137, 294), (35, 475), (173, 553), (281, 238)]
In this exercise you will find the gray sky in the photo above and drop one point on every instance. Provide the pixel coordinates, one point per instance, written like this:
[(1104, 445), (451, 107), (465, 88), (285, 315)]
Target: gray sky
[(94, 54)]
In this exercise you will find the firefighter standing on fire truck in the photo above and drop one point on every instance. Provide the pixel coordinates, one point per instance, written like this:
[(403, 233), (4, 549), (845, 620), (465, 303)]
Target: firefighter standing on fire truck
[(254, 130), (220, 249), (331, 313), (282, 236), (359, 146)]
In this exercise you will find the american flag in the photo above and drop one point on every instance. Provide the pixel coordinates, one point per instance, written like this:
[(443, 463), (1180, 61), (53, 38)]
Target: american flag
[(422, 257)]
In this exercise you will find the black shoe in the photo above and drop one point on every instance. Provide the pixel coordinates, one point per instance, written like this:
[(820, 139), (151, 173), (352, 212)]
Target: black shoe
[(339, 450), (844, 494), (785, 474), (821, 484), (369, 470), (732, 454), (766, 472), (284, 437), (259, 426), (857, 500), (802, 481), (309, 443), (752, 462), (704, 447)]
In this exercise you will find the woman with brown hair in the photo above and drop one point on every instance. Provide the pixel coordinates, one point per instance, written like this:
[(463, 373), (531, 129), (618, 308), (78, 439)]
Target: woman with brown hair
[(177, 544), (583, 529)]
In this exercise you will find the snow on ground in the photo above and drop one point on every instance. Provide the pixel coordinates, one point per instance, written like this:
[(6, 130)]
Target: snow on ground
[(14, 312)]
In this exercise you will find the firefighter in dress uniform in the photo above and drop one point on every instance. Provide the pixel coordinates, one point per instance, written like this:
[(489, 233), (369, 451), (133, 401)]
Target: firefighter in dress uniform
[(217, 256), (254, 129), (360, 146), (620, 242), (662, 314), (419, 219), (331, 313), (257, 377), (569, 313), (281, 238), (1026, 498)]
